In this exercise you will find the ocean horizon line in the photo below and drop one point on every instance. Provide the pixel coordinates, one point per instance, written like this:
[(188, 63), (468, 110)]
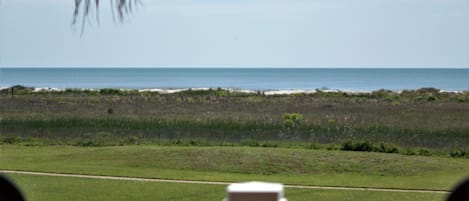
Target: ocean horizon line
[(234, 67), (261, 79)]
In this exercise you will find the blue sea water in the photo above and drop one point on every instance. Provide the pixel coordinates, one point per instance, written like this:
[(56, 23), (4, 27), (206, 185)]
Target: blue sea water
[(346, 79)]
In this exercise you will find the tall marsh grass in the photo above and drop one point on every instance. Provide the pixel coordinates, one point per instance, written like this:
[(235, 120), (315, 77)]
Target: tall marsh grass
[(424, 118), (228, 131)]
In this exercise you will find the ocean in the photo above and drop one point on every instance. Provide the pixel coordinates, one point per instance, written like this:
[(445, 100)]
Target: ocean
[(344, 79)]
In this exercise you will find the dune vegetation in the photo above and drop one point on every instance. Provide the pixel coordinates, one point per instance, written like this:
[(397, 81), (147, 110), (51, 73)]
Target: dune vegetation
[(420, 122)]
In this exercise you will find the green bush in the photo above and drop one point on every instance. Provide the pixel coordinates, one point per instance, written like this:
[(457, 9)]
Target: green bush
[(382, 93), (386, 148), (462, 99), (368, 146), (291, 120), (108, 91), (424, 152), (332, 147), (410, 152), (268, 144), (459, 154), (249, 142), (12, 140), (357, 146), (431, 98)]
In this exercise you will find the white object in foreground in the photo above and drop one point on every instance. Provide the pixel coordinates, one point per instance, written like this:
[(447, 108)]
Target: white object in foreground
[(255, 191)]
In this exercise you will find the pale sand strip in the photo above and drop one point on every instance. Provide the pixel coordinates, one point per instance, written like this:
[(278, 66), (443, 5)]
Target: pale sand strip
[(216, 182)]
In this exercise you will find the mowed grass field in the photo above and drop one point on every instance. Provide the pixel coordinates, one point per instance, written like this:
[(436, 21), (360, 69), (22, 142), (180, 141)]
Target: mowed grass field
[(234, 164), (44, 188)]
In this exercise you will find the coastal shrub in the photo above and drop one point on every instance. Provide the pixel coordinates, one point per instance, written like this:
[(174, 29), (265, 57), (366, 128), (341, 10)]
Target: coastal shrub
[(11, 140), (462, 99), (369, 147), (90, 92), (33, 143), (420, 98), (357, 146), (332, 147), (268, 144), (386, 148), (184, 142), (382, 93), (193, 143), (424, 152), (363, 146), (410, 152), (426, 98), (292, 120), (70, 90), (431, 98), (109, 91), (221, 93), (249, 142), (459, 154), (388, 99)]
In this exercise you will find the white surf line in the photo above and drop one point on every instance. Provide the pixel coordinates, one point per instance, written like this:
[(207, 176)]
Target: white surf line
[(215, 182)]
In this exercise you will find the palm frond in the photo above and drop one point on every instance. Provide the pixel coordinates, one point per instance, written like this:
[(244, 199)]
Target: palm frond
[(85, 8)]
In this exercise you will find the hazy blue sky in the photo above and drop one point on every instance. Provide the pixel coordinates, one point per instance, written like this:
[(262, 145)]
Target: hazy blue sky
[(241, 33)]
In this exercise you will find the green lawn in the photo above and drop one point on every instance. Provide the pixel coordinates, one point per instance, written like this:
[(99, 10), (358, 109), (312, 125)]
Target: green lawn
[(290, 166), (45, 188)]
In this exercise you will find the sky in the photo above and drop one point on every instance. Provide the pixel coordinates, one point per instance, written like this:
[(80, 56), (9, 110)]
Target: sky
[(239, 33)]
